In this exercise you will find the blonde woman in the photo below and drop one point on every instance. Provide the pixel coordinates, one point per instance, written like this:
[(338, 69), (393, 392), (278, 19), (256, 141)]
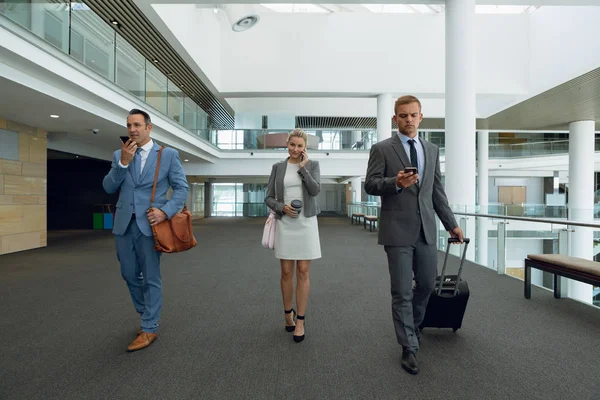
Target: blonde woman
[(295, 180)]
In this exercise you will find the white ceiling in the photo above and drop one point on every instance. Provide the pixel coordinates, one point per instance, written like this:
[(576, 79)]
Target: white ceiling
[(479, 2), (73, 130)]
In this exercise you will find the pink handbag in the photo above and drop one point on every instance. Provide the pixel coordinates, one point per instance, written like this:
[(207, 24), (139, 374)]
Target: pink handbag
[(268, 239)]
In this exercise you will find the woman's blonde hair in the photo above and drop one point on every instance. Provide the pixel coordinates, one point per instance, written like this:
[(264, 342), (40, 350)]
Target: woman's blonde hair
[(298, 133)]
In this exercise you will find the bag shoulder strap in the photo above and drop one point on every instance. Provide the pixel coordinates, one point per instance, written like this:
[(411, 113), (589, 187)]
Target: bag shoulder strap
[(156, 174)]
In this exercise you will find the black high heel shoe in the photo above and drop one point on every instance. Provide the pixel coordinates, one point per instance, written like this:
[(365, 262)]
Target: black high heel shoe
[(290, 328), (298, 339)]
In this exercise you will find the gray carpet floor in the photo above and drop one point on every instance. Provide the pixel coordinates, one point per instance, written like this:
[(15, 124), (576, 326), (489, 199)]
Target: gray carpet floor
[(66, 319)]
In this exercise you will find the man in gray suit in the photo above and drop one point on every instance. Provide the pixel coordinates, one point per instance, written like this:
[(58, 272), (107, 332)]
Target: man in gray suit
[(407, 227)]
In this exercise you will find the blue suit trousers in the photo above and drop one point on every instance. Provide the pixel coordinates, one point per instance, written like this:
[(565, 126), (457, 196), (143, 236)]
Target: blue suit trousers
[(140, 267)]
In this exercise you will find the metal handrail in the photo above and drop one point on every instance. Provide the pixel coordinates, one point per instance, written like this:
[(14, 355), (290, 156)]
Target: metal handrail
[(542, 220)]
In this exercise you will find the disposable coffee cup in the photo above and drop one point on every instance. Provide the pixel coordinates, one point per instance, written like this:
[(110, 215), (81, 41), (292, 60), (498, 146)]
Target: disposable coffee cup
[(297, 205)]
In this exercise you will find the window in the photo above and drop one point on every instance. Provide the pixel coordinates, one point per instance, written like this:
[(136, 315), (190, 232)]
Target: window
[(230, 139)]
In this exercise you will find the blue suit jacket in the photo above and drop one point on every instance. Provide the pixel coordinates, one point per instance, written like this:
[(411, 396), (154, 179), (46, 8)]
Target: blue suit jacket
[(135, 190)]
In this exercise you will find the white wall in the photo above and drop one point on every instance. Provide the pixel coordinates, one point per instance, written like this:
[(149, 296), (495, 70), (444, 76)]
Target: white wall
[(198, 30), (356, 52), (564, 45), (334, 165), (339, 107)]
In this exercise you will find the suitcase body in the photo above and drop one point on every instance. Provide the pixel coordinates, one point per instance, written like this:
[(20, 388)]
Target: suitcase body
[(448, 302)]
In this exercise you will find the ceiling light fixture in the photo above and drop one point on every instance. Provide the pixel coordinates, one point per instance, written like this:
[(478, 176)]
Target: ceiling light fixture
[(54, 116), (114, 22), (241, 16), (186, 160), (155, 60)]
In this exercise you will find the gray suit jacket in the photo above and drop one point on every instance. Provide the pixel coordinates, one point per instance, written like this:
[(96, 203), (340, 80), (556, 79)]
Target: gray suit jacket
[(311, 179), (403, 213)]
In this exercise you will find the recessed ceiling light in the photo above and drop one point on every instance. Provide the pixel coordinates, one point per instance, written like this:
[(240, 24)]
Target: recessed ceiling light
[(155, 60), (114, 22), (186, 160), (54, 116)]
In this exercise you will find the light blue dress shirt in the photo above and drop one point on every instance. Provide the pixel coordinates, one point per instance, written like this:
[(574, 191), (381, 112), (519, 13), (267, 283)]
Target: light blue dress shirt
[(420, 151), (420, 154)]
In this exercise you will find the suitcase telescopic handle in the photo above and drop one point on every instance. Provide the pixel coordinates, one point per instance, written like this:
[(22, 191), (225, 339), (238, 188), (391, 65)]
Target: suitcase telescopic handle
[(462, 261)]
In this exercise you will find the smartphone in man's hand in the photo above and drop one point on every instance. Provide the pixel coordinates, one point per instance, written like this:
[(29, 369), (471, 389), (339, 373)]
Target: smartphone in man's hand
[(414, 170), (124, 139)]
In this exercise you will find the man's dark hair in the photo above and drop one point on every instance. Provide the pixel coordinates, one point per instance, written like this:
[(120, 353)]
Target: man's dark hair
[(135, 111)]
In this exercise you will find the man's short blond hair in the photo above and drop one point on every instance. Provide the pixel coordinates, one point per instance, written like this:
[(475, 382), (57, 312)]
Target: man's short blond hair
[(406, 100), (298, 133)]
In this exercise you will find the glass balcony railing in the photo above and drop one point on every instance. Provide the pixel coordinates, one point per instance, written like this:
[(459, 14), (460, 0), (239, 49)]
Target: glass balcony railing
[(76, 30), (275, 139), (501, 242)]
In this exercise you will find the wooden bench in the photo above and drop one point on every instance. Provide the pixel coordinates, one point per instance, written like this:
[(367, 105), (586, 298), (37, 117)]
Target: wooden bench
[(575, 268), (372, 220), (358, 216)]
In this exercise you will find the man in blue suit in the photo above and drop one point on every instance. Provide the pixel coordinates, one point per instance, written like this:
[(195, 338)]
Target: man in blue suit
[(132, 174)]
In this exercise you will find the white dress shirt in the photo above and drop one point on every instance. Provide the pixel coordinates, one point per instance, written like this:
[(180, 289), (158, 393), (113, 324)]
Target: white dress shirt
[(144, 153)]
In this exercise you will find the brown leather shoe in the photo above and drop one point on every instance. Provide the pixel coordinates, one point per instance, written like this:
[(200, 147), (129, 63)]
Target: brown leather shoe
[(143, 340)]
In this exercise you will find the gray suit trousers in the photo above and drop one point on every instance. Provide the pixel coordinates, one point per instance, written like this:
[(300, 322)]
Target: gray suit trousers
[(408, 303)]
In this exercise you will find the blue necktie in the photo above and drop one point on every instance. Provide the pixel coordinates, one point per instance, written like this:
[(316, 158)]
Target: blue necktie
[(138, 161)]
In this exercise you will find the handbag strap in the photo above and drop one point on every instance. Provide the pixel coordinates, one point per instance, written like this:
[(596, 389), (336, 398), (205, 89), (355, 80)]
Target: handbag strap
[(156, 174)]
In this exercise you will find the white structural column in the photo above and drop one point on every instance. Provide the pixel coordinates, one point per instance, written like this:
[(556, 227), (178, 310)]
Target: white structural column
[(356, 189), (483, 139), (385, 111), (356, 138), (460, 111), (581, 198)]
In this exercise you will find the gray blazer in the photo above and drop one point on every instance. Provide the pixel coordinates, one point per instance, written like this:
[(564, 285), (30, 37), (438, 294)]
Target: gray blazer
[(403, 213), (311, 179)]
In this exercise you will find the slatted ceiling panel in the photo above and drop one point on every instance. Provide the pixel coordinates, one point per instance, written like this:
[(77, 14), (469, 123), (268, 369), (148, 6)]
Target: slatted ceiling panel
[(349, 123), (306, 122), (575, 100), (141, 34)]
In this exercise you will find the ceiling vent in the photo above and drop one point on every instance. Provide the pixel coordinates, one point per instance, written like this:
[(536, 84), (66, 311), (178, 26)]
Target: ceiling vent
[(241, 16)]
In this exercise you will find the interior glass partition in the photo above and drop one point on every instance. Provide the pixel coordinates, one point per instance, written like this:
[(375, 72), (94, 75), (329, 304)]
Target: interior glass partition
[(74, 29)]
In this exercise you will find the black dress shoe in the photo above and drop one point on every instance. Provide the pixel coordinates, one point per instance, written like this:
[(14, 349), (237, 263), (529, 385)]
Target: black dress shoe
[(409, 362)]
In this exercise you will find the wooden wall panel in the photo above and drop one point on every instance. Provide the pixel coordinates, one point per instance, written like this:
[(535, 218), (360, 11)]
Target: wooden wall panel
[(23, 191)]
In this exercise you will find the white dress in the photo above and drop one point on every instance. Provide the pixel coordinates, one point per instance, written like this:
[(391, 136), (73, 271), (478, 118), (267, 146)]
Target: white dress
[(296, 238)]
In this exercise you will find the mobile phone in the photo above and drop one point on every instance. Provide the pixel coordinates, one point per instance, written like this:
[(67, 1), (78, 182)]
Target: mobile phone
[(124, 139), (410, 169)]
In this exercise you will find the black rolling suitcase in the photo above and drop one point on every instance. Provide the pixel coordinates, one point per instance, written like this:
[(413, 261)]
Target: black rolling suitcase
[(447, 304)]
